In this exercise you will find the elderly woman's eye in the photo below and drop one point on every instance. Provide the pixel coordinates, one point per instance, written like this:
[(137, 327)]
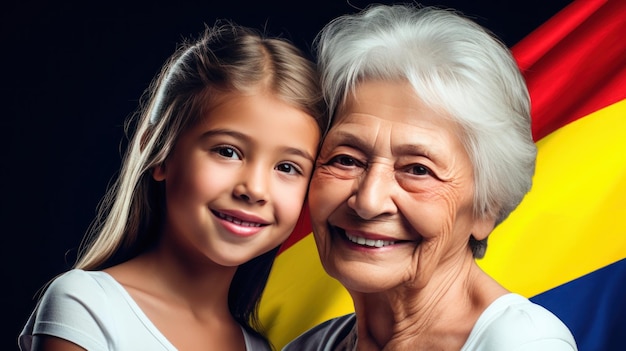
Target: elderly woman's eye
[(344, 166), (419, 170), (344, 161)]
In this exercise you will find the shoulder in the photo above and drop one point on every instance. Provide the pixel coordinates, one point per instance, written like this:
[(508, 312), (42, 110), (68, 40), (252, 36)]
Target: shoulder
[(78, 286), (78, 278), (324, 336), (513, 322), (74, 307)]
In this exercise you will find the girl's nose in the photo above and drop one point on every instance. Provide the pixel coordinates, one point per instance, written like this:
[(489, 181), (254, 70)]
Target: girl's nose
[(253, 187)]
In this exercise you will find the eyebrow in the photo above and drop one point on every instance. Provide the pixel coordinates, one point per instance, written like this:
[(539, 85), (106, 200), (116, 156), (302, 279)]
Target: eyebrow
[(248, 139), (416, 149), (342, 138), (229, 132)]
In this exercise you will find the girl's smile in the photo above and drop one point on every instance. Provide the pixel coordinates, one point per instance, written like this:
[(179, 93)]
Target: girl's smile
[(236, 180), (240, 223)]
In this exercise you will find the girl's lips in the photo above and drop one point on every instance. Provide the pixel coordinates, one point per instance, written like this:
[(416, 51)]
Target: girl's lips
[(241, 217), (240, 224)]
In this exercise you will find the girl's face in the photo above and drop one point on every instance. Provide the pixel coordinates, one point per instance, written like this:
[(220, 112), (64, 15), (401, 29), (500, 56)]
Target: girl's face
[(236, 181), (391, 200)]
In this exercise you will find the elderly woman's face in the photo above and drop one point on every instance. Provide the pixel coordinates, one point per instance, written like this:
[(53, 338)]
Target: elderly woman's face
[(391, 198)]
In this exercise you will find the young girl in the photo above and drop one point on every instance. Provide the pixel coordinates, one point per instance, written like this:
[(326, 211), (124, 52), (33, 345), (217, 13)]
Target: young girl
[(213, 181)]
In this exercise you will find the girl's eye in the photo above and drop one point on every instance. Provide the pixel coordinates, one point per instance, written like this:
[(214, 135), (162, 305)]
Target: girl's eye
[(288, 168), (227, 152)]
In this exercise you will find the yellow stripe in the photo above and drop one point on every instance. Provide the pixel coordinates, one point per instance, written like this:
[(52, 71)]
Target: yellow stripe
[(573, 221), (299, 294)]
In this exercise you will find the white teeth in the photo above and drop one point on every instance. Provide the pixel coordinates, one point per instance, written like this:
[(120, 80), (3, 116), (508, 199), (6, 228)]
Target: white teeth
[(237, 221), (369, 242)]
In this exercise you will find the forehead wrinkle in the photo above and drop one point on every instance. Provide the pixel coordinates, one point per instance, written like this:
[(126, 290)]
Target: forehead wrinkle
[(347, 138), (412, 142)]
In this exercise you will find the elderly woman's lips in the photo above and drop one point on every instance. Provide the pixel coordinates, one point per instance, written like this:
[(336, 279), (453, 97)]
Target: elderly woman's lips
[(368, 242)]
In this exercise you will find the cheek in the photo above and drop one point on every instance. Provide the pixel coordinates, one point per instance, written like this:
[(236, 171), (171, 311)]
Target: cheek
[(433, 213), (326, 193), (190, 174), (183, 187), (204, 185)]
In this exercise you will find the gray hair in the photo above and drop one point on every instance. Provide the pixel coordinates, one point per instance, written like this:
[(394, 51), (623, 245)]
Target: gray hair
[(453, 64)]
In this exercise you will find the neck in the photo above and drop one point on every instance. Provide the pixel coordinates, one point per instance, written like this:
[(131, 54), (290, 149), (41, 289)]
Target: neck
[(191, 283), (439, 315), (195, 279), (186, 298)]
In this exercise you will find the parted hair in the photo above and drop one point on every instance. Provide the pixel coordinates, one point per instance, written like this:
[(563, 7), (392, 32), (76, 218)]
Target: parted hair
[(224, 58), (454, 65)]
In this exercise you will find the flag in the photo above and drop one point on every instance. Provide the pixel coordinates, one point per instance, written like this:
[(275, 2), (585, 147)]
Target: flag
[(564, 247)]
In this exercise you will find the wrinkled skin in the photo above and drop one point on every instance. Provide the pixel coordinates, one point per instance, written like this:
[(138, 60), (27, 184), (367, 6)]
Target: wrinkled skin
[(394, 176)]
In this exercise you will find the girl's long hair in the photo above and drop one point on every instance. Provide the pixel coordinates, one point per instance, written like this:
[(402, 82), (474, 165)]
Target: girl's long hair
[(225, 58)]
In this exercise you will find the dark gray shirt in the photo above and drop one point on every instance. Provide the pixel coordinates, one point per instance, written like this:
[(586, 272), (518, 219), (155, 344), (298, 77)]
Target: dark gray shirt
[(338, 334)]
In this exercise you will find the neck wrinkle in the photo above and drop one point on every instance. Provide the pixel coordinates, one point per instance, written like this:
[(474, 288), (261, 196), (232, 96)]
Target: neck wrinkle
[(407, 317)]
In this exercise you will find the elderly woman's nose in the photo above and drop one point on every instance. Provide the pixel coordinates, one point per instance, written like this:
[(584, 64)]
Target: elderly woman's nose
[(373, 195)]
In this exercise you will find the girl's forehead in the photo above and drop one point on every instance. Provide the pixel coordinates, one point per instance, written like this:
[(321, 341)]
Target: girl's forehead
[(256, 115)]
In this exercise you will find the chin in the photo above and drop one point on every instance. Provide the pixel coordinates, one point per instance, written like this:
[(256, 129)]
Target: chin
[(357, 276), (361, 284)]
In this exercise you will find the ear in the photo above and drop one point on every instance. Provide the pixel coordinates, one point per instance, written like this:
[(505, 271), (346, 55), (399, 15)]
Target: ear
[(158, 172), (483, 226)]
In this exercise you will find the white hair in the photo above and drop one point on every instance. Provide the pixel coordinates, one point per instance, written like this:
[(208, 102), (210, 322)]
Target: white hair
[(453, 64)]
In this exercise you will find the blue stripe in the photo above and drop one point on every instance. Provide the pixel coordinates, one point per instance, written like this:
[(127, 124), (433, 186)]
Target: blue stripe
[(593, 307)]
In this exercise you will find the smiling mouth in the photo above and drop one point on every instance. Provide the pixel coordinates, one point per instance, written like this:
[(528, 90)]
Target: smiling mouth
[(236, 220), (368, 242)]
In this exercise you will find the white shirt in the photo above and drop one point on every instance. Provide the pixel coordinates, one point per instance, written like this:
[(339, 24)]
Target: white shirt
[(94, 311), (512, 322)]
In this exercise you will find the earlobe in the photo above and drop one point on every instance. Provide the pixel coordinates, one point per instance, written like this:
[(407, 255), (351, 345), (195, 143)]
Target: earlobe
[(483, 227), (158, 172)]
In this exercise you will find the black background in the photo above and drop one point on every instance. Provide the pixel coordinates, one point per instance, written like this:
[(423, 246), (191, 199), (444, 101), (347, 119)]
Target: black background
[(72, 72)]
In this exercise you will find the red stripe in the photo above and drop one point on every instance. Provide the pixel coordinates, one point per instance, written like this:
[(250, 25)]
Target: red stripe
[(575, 63), (302, 229)]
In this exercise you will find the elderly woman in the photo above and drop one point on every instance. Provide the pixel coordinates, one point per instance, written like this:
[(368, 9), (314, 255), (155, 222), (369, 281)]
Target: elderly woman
[(429, 150)]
